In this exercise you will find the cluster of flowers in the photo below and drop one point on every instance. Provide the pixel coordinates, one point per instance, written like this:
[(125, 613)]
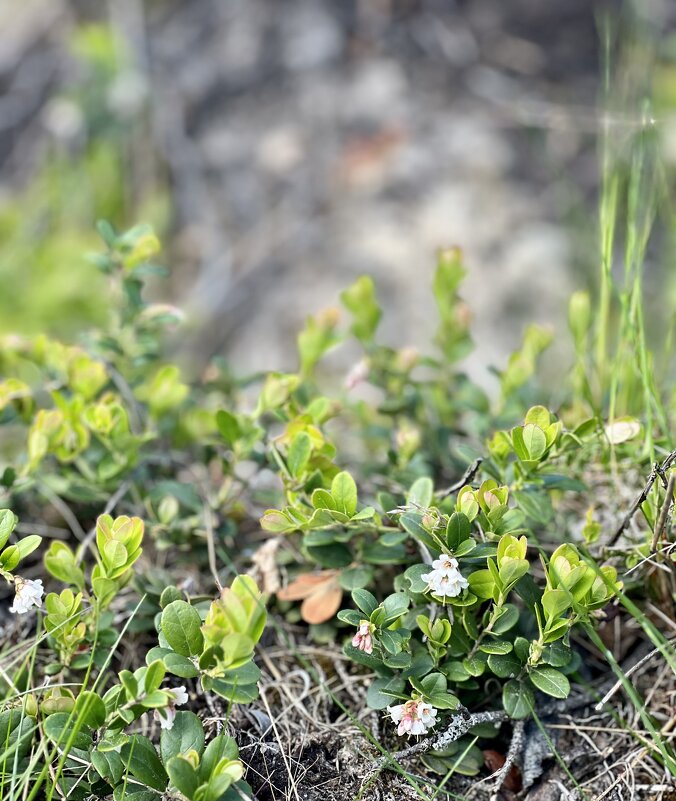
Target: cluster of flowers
[(413, 717), (363, 639), (445, 579), (27, 594)]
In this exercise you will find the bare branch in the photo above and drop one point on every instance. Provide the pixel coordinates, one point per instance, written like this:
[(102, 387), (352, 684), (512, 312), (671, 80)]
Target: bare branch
[(467, 477), (459, 725), (658, 471)]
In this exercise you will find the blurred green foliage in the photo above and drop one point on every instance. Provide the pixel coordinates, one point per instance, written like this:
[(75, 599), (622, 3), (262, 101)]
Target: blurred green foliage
[(46, 225)]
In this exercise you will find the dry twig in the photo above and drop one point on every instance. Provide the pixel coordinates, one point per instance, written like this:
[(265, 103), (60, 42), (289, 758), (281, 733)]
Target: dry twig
[(515, 749), (459, 725), (658, 471), (664, 512), (611, 692), (467, 477)]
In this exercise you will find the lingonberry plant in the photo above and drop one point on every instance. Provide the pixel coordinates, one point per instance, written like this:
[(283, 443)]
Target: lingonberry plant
[(429, 529)]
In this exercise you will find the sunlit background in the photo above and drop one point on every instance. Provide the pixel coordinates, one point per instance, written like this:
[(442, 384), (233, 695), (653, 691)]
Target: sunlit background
[(281, 148)]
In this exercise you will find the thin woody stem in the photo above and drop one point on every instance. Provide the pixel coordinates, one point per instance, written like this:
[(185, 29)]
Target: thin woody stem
[(459, 725)]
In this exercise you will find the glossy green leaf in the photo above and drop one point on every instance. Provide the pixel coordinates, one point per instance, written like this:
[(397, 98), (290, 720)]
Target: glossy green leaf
[(181, 626)]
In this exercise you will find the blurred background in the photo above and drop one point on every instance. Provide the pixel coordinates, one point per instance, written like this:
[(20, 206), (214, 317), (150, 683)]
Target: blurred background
[(282, 148)]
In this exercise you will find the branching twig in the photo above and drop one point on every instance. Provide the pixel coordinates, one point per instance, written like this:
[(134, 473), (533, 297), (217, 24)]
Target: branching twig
[(664, 512), (536, 750), (515, 749), (467, 477), (611, 692), (459, 725), (658, 471)]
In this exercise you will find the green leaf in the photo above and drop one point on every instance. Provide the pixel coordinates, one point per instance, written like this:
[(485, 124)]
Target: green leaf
[(61, 728), (504, 666), (391, 641), (393, 538), (170, 594), (537, 505), (299, 454), (509, 617), (354, 578), (444, 700), (555, 602), (364, 514), (183, 776), (534, 440), (350, 616), (398, 661), (344, 493), (410, 522), (517, 699), (550, 681), (377, 553), (90, 709), (180, 666), (382, 692), (360, 300), (539, 416), (554, 631), (185, 735), (130, 684), (334, 555), (496, 647), (322, 499), (61, 563), (365, 601), (141, 759), (8, 521), (181, 626), (154, 700), (27, 545), (276, 521), (370, 661), (219, 749), (518, 444), (527, 589), (432, 684), (395, 605), (129, 792), (557, 654), (413, 574), (481, 583), (511, 570), (108, 765), (114, 556), (457, 530), (475, 665), (154, 675), (228, 426), (421, 492)]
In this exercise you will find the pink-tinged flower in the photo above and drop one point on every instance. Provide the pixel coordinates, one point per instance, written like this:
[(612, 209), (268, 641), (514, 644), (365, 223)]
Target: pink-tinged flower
[(445, 579), (358, 373), (27, 594), (362, 639), (414, 717), (166, 716)]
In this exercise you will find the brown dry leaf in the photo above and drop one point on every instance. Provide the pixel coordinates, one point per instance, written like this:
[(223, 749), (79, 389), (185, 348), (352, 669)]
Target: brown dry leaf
[(321, 594), (264, 569)]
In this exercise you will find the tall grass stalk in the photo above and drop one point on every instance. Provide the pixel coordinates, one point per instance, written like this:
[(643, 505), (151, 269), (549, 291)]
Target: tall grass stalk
[(620, 365)]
